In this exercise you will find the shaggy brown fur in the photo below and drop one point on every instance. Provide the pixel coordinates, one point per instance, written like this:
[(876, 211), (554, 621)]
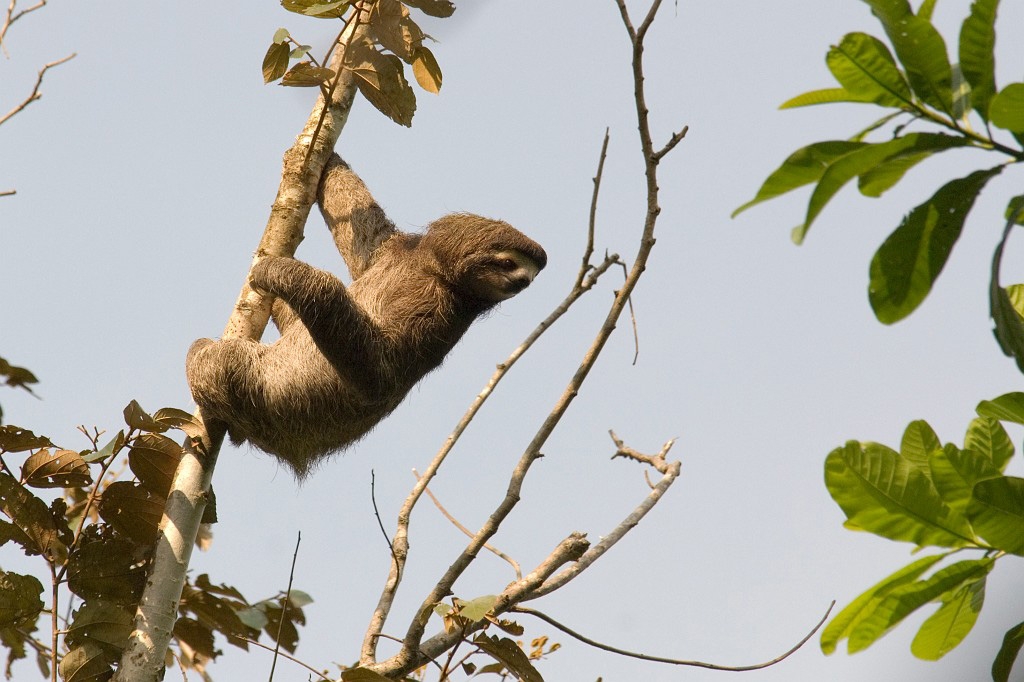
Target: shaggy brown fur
[(347, 356)]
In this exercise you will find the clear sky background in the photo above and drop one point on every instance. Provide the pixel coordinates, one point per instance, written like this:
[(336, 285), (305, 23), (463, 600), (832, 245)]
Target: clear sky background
[(144, 179)]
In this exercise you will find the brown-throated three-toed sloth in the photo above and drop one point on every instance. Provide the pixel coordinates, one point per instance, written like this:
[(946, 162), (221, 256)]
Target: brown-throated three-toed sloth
[(348, 356)]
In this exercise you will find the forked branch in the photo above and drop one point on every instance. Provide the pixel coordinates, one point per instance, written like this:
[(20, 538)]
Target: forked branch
[(413, 653)]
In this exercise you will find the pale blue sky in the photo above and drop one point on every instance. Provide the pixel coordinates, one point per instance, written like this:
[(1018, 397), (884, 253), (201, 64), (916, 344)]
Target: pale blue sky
[(144, 179)]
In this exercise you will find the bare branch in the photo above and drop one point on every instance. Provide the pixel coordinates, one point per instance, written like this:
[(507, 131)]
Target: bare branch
[(673, 661), (11, 16), (670, 145), (455, 522), (35, 94), (670, 472), (569, 549)]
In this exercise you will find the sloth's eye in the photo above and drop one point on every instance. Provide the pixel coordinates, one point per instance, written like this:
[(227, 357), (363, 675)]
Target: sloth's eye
[(507, 264)]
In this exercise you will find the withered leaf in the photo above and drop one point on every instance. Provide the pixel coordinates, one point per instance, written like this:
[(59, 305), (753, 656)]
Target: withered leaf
[(20, 604), (154, 459), (56, 469), (31, 515), (315, 8), (434, 8), (394, 28), (85, 663), (275, 62), (286, 634), (305, 75), (362, 675), (107, 566), (16, 439), (132, 510), (379, 77), (508, 653), (137, 418), (196, 635), (426, 70), (102, 622), (218, 614)]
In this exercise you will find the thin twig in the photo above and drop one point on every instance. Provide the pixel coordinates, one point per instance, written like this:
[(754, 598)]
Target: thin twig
[(35, 94), (585, 266), (455, 522), (284, 607), (376, 512), (10, 17), (670, 472), (345, 37), (670, 145), (673, 661), (283, 654)]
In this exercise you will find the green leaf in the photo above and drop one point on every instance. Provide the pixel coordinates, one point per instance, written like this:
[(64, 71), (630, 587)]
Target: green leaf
[(911, 258), (946, 628), (988, 438), (1013, 640), (1015, 210), (881, 178), (919, 441), (802, 167), (864, 159), (926, 9), (1008, 407), (883, 493), (865, 68), (475, 609), (823, 96), (996, 510), (281, 35), (1007, 108), (1009, 325), (275, 62), (921, 50), (977, 53), (905, 599), (864, 605), (954, 473)]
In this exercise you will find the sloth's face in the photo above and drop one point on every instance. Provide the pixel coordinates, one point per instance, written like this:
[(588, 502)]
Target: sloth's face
[(503, 274)]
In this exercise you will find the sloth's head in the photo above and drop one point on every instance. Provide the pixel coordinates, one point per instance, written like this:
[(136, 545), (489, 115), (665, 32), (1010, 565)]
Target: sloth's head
[(487, 260)]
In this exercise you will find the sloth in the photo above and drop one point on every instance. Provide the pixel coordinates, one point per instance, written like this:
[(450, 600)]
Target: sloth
[(348, 355)]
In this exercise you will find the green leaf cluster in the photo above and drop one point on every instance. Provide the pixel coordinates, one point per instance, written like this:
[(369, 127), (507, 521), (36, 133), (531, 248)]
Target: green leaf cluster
[(930, 494), (921, 86)]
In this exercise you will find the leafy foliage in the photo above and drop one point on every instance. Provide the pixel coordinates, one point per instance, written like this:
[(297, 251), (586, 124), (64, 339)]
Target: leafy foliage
[(932, 495), (96, 538), (376, 60), (919, 85)]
